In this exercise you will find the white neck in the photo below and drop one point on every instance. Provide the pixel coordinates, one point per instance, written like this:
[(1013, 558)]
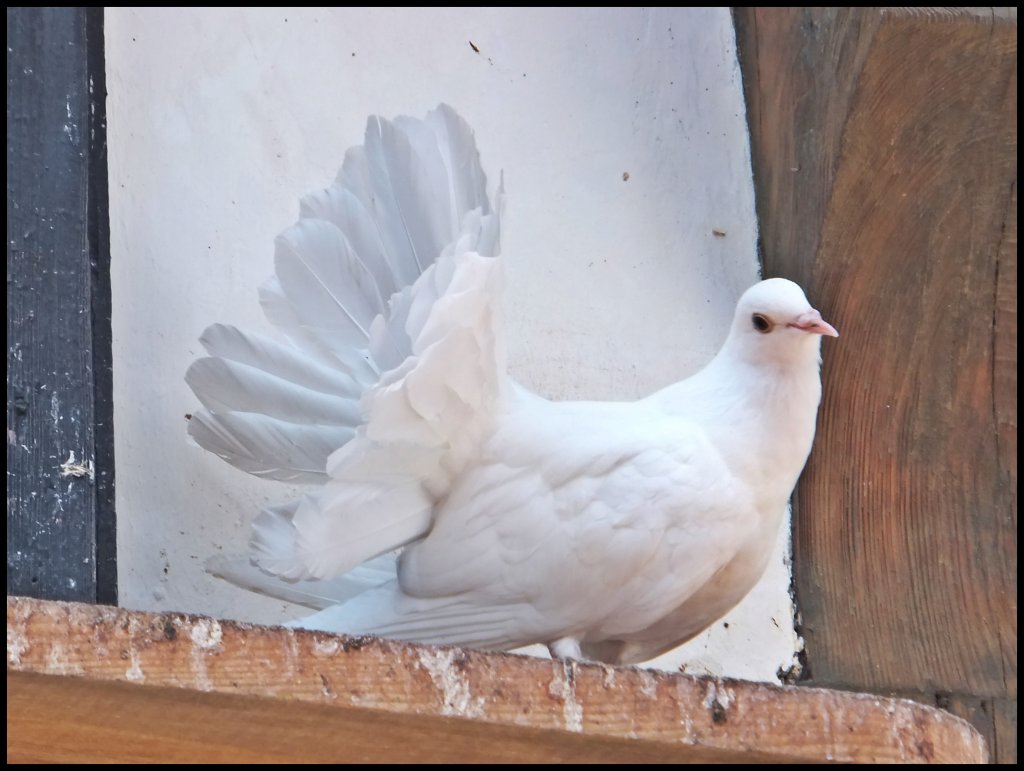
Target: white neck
[(761, 414)]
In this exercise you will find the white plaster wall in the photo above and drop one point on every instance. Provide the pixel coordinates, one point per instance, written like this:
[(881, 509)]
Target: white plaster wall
[(220, 119)]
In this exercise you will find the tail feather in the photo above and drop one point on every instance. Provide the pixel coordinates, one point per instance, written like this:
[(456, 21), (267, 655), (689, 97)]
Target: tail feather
[(458, 150), (313, 340), (230, 386), (386, 612), (269, 448), (313, 594), (346, 211), (227, 342), (325, 282), (300, 542), (386, 291)]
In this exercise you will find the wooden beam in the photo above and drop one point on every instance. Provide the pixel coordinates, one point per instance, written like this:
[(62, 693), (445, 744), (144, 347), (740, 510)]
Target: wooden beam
[(60, 498), (884, 146), (98, 683)]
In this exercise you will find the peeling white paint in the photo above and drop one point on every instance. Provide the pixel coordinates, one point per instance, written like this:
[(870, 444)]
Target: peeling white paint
[(72, 468), (648, 684), (206, 635), (292, 657), (16, 644), (685, 718), (199, 674), (718, 696), (563, 688), (134, 672), (609, 676), (326, 647), (456, 697), (57, 662)]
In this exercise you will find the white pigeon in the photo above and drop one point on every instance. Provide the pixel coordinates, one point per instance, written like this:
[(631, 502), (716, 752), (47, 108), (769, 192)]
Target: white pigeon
[(607, 531)]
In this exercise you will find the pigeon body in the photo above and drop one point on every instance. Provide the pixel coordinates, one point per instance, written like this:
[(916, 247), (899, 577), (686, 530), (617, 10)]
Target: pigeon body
[(605, 530)]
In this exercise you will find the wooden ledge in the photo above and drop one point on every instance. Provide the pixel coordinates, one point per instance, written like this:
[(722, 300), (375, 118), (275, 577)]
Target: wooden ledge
[(92, 683)]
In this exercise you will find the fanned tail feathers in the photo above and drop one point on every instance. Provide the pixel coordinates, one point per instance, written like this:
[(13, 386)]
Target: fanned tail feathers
[(385, 290)]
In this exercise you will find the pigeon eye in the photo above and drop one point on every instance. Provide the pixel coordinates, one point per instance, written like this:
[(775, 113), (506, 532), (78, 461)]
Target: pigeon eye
[(761, 323)]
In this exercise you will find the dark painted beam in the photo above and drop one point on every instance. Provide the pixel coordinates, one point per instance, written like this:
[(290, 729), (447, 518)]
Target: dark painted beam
[(60, 506)]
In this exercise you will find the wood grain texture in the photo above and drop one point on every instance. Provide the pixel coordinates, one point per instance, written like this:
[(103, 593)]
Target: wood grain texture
[(994, 719), (60, 528), (1004, 740), (61, 719), (90, 682), (884, 146)]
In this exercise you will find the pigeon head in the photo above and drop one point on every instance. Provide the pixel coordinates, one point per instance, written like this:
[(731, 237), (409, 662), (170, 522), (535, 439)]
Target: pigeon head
[(775, 322)]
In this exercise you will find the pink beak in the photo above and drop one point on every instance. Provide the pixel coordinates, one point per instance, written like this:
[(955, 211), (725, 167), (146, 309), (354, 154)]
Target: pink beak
[(813, 322)]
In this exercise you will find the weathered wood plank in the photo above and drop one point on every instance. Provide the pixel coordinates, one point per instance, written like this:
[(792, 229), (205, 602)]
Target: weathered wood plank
[(97, 682), (62, 719), (1004, 746), (884, 146), (975, 710), (60, 533)]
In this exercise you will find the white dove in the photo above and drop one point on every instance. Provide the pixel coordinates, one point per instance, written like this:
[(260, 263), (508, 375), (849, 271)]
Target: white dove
[(607, 531)]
